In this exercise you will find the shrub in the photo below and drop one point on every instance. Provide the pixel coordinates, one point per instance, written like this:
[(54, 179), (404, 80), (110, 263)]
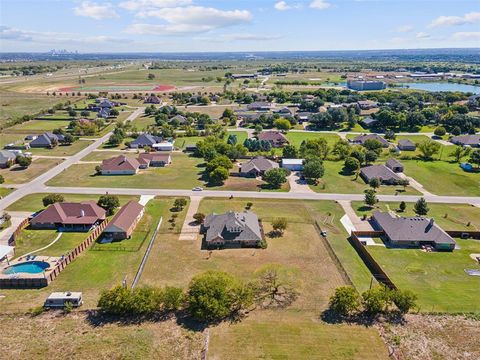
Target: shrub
[(52, 199), (109, 203), (405, 300), (345, 300)]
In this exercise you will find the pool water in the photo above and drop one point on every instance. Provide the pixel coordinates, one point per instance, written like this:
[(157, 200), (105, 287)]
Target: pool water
[(31, 267)]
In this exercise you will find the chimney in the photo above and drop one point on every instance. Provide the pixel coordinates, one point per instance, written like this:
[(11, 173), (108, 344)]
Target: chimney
[(82, 213), (430, 225)]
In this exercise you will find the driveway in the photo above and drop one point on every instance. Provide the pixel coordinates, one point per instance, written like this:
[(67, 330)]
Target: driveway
[(190, 228), (297, 185), (17, 218)]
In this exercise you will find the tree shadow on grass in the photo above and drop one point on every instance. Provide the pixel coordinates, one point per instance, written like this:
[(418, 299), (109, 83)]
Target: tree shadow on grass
[(362, 318)]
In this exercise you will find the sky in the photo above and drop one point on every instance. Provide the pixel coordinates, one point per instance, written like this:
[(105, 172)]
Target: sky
[(236, 25)]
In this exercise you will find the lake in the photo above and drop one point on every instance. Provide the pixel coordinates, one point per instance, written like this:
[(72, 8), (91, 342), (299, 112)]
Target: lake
[(443, 86)]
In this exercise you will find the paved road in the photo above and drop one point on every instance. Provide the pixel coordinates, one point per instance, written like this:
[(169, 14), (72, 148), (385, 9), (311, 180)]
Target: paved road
[(37, 185)]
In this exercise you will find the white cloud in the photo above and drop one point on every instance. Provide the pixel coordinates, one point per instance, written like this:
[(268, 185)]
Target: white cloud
[(283, 6), (467, 36), (320, 4), (190, 19), (95, 11), (405, 29), (240, 37), (134, 5), (469, 18), (422, 35)]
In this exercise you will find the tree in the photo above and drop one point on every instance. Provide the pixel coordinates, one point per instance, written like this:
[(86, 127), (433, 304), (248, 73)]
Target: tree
[(24, 161), (114, 112), (2, 179), (370, 197), (216, 295), (199, 217), (375, 300), (313, 170), (345, 301), (179, 204), (282, 124), (52, 199), (370, 156), (279, 225), (428, 148), (402, 206), (342, 149), (172, 298), (404, 300), (218, 175), (276, 286), (460, 152), (351, 165), (72, 113), (475, 158), (151, 76), (68, 139), (109, 203), (275, 177), (374, 183), (219, 161), (115, 139), (440, 131), (421, 207), (290, 152)]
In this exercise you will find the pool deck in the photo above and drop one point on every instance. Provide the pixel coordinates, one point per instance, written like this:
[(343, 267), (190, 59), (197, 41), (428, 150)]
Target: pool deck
[(51, 260)]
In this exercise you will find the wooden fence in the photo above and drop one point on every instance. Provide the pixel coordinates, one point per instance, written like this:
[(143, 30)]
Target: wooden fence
[(376, 270), (20, 227), (464, 234)]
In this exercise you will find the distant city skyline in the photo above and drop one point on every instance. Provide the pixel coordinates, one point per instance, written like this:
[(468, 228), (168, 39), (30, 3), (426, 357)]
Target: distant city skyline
[(244, 25)]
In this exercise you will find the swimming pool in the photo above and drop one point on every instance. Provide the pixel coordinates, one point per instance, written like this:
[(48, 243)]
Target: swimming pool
[(31, 267)]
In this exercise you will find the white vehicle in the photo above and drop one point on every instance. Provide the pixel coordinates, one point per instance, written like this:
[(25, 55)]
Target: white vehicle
[(197, 189), (60, 299)]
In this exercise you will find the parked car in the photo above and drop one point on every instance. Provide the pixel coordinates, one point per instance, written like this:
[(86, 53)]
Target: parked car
[(197, 189)]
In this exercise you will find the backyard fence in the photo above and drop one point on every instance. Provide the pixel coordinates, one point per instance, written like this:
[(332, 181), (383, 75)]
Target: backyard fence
[(372, 265), (464, 234), (18, 230)]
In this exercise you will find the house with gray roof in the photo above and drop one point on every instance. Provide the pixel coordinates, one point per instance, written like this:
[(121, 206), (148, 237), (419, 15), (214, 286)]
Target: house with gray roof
[(232, 229), (394, 165), (7, 158), (360, 139), (368, 122), (145, 140), (412, 231), (182, 120), (381, 172), (406, 145), (257, 166), (467, 140), (47, 140), (260, 106)]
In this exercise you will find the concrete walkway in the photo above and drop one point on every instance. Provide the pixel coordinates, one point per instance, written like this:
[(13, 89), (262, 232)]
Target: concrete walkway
[(359, 224), (45, 247), (297, 184), (17, 218), (190, 229)]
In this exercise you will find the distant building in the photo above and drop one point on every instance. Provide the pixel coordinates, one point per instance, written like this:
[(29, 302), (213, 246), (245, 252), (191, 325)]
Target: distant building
[(144, 140), (163, 146), (275, 138), (360, 139), (380, 172), (257, 167), (368, 122), (244, 76), (394, 165), (412, 231), (120, 165), (367, 104), (406, 145), (260, 106), (7, 158), (237, 229), (466, 140), (293, 164), (152, 99), (182, 120), (47, 140), (156, 159), (124, 222), (362, 85)]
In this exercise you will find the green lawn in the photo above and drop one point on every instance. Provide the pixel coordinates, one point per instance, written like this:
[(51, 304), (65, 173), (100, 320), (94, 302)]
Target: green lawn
[(184, 173), (142, 122), (296, 138), (443, 178), (18, 175), (438, 278), (102, 155), (39, 126), (241, 136), (5, 191), (448, 216), (30, 240), (334, 181), (33, 202), (182, 142), (62, 150)]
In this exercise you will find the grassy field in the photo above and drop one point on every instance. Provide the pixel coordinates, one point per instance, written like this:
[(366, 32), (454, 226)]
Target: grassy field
[(33, 202), (174, 262), (438, 278), (100, 267), (38, 126), (241, 136), (296, 138), (62, 150), (5, 191), (31, 240), (18, 175), (102, 155), (449, 178), (448, 216), (334, 181)]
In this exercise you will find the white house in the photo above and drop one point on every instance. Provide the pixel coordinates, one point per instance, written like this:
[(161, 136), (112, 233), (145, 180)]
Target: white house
[(293, 164)]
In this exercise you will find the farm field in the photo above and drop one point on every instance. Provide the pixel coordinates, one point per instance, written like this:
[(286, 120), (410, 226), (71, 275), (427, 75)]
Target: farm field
[(300, 248), (100, 267), (438, 278), (18, 175)]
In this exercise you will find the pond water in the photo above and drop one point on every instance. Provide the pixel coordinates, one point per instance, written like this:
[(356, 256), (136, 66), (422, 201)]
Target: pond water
[(443, 86)]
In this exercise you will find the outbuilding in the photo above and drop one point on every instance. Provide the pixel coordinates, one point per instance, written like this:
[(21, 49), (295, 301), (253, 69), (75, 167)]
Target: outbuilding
[(293, 164)]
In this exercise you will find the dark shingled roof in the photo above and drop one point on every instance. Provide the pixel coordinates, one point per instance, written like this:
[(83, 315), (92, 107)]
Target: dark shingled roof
[(380, 172), (411, 228), (233, 226), (125, 217), (471, 140), (360, 139), (259, 163)]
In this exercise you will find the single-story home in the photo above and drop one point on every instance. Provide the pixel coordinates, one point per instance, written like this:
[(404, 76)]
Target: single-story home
[(145, 140), (275, 138), (368, 122), (152, 99), (367, 104), (47, 140), (257, 166), (381, 172), (293, 164), (190, 147), (406, 145), (360, 139), (7, 158), (232, 229), (260, 106), (467, 140), (156, 159), (394, 165), (412, 231), (182, 120), (120, 165), (303, 116), (284, 111), (124, 222), (104, 113), (69, 216)]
